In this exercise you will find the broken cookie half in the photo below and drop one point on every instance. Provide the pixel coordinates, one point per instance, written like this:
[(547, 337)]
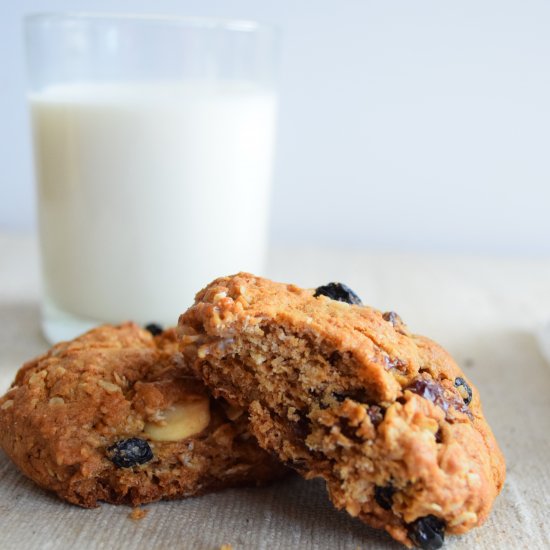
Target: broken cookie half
[(342, 391), (116, 416)]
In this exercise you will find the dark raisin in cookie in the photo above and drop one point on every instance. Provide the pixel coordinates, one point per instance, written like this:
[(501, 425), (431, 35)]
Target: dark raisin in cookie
[(339, 292)]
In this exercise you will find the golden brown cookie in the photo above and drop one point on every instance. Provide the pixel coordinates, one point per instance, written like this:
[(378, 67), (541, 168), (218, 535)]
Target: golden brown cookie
[(115, 415), (344, 392)]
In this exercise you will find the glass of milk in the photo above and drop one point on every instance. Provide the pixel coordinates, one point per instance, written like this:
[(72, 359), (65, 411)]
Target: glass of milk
[(153, 140)]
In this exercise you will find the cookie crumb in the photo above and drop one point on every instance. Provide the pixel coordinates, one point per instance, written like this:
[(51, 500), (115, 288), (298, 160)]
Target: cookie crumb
[(138, 513)]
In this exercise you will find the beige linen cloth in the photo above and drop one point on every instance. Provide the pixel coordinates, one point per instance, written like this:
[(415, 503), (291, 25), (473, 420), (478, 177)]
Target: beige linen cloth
[(483, 311)]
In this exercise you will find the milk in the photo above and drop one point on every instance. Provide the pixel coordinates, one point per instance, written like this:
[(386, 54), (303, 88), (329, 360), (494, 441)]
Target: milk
[(147, 192)]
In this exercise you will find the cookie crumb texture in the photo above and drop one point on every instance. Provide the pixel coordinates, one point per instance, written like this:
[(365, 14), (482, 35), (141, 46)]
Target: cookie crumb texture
[(347, 393), (116, 416)]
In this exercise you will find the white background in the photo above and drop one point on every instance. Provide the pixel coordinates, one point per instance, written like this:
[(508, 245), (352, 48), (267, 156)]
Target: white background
[(404, 125)]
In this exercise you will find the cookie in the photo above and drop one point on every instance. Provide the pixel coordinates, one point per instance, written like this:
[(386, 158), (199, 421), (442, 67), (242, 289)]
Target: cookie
[(116, 416), (345, 392)]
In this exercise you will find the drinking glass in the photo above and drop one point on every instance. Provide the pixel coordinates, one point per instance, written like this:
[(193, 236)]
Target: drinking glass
[(154, 143)]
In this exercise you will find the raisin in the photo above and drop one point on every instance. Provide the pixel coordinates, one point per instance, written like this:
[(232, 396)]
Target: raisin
[(154, 329), (384, 496), (427, 533), (464, 389), (396, 321), (433, 391), (129, 452), (392, 318), (376, 414), (339, 292)]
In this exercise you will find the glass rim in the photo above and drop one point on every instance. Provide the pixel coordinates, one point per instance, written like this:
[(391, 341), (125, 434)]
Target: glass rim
[(207, 23)]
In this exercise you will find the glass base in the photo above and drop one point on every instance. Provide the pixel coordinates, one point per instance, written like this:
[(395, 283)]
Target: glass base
[(58, 325)]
